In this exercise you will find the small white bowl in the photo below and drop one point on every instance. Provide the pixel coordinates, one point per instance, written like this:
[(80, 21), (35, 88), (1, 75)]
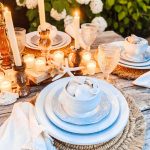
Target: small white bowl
[(135, 50), (79, 107)]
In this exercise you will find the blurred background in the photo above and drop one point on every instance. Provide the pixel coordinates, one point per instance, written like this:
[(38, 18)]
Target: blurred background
[(123, 16)]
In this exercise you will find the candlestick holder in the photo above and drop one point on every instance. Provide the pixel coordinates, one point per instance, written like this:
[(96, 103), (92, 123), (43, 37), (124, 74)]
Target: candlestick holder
[(4, 43), (76, 59), (21, 78), (44, 42)]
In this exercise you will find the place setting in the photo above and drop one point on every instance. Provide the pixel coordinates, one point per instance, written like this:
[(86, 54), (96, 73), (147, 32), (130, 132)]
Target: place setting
[(81, 124), (59, 40), (135, 53), (67, 97)]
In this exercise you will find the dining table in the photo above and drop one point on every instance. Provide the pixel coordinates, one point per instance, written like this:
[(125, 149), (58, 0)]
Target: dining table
[(140, 94)]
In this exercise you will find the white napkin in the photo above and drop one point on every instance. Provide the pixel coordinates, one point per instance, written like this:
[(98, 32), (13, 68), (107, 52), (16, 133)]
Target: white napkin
[(7, 98), (143, 80), (70, 30), (82, 90), (22, 132)]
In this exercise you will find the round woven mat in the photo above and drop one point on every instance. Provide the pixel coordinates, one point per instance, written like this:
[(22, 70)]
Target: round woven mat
[(128, 73), (132, 138)]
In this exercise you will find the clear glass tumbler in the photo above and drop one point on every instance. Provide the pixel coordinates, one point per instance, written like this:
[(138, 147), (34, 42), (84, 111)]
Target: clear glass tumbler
[(89, 33), (21, 37)]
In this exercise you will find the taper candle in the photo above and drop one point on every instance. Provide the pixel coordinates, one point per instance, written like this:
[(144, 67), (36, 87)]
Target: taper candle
[(76, 23), (41, 7), (12, 37)]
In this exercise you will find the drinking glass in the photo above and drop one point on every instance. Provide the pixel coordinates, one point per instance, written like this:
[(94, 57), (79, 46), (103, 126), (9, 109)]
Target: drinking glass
[(21, 37), (108, 58), (88, 33)]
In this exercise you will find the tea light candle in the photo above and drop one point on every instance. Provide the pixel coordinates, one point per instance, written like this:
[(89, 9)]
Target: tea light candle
[(58, 57), (86, 57), (91, 67), (10, 75), (40, 64), (2, 76), (29, 60), (5, 86)]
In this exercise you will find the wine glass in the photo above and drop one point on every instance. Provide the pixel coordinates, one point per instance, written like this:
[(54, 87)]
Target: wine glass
[(88, 33), (21, 37), (108, 58)]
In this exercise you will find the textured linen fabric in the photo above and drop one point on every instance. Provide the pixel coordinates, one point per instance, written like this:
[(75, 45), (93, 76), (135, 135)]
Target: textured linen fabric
[(22, 132)]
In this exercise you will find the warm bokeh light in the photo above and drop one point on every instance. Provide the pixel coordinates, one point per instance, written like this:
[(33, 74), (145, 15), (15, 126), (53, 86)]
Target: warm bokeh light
[(76, 13), (6, 9)]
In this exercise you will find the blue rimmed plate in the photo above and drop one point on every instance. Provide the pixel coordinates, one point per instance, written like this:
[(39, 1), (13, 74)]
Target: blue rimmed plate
[(83, 139)]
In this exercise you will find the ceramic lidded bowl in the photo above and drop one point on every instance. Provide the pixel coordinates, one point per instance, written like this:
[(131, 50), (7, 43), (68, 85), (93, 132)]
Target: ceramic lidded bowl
[(80, 97), (135, 46)]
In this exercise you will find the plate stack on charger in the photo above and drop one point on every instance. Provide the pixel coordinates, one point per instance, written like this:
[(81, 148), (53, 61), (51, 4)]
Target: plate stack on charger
[(82, 110), (59, 41), (135, 53)]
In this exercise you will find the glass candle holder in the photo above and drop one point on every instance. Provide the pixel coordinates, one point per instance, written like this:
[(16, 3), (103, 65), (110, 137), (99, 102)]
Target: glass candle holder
[(29, 60), (91, 67), (40, 64), (86, 57), (5, 86), (58, 57)]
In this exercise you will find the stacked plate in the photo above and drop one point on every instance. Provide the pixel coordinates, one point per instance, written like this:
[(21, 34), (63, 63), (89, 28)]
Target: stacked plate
[(61, 40), (107, 122), (133, 62)]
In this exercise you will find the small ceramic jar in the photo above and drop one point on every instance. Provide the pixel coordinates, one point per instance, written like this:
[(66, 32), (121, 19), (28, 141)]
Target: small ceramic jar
[(80, 101)]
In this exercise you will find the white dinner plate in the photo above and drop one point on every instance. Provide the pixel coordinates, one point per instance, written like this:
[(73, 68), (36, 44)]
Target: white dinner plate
[(84, 129), (135, 67), (128, 64), (99, 113), (136, 60), (57, 40), (81, 139), (66, 40)]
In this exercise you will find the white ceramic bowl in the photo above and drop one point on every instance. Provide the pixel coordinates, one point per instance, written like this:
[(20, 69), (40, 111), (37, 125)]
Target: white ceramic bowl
[(136, 50), (79, 107)]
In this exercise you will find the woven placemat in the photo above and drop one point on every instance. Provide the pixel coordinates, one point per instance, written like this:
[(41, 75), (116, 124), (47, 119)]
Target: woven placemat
[(132, 138), (128, 73)]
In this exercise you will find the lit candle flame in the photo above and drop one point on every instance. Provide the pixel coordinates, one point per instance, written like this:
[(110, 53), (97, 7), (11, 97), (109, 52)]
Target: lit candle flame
[(6, 9), (76, 14)]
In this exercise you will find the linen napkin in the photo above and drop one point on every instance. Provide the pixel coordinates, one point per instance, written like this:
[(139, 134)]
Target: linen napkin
[(22, 132), (143, 80), (70, 30)]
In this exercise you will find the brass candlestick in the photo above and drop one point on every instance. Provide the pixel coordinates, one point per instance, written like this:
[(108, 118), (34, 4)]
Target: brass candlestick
[(45, 42), (21, 77), (4, 42), (76, 59)]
